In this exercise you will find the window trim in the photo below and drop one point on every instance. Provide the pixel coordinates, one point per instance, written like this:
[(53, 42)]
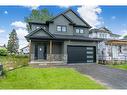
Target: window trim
[(61, 28), (79, 31)]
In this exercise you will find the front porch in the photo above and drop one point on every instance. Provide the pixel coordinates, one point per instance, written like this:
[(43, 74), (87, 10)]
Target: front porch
[(47, 51)]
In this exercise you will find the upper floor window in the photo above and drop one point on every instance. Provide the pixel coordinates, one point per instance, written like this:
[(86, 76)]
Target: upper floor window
[(81, 31), (61, 28)]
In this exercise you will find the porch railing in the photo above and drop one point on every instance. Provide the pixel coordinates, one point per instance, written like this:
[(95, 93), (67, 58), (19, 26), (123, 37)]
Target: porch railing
[(51, 57)]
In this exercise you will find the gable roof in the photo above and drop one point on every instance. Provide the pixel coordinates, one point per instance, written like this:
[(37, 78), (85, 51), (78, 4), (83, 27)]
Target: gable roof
[(77, 16), (69, 18), (35, 31), (63, 14), (64, 17), (104, 29)]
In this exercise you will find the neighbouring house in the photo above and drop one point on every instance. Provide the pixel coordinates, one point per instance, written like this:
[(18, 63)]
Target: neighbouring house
[(63, 39), (25, 50), (112, 47), (2, 46)]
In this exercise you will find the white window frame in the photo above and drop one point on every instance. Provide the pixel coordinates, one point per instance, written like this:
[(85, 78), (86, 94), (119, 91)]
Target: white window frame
[(61, 28), (79, 31), (58, 28), (64, 29)]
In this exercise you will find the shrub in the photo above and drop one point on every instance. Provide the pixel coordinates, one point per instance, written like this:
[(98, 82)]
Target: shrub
[(3, 52)]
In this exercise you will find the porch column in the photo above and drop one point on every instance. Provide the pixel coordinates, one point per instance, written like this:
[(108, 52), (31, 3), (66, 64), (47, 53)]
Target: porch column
[(50, 50), (29, 50)]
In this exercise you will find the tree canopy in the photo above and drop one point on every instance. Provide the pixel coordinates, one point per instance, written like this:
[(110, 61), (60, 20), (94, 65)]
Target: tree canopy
[(39, 16)]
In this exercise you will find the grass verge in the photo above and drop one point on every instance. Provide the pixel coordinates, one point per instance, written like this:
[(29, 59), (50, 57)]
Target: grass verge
[(122, 66)]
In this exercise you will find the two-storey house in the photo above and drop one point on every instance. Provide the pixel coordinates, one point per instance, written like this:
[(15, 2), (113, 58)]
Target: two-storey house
[(63, 39)]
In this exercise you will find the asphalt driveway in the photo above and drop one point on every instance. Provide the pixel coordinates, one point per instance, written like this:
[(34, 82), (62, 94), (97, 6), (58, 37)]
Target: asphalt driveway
[(113, 78)]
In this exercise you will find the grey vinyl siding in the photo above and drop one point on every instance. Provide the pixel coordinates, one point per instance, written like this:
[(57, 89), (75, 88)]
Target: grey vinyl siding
[(78, 43), (61, 20), (74, 18)]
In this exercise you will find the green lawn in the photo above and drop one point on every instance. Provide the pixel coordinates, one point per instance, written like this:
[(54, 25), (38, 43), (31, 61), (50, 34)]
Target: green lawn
[(123, 66), (47, 78)]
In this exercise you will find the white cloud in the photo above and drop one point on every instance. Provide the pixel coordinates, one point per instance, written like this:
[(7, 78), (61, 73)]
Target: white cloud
[(19, 24), (91, 14), (5, 12), (32, 7), (21, 35), (64, 6), (2, 30), (113, 17), (21, 31)]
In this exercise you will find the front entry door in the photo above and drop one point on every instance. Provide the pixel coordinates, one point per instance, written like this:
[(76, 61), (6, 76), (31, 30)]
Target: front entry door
[(40, 52)]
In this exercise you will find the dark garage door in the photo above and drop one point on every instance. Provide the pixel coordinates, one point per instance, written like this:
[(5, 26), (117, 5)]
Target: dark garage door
[(81, 54)]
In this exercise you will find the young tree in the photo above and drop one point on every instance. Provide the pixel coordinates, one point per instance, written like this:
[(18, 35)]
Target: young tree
[(13, 42)]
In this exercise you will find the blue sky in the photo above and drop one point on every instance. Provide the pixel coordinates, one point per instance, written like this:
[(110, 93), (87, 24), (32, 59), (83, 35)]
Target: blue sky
[(113, 17)]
